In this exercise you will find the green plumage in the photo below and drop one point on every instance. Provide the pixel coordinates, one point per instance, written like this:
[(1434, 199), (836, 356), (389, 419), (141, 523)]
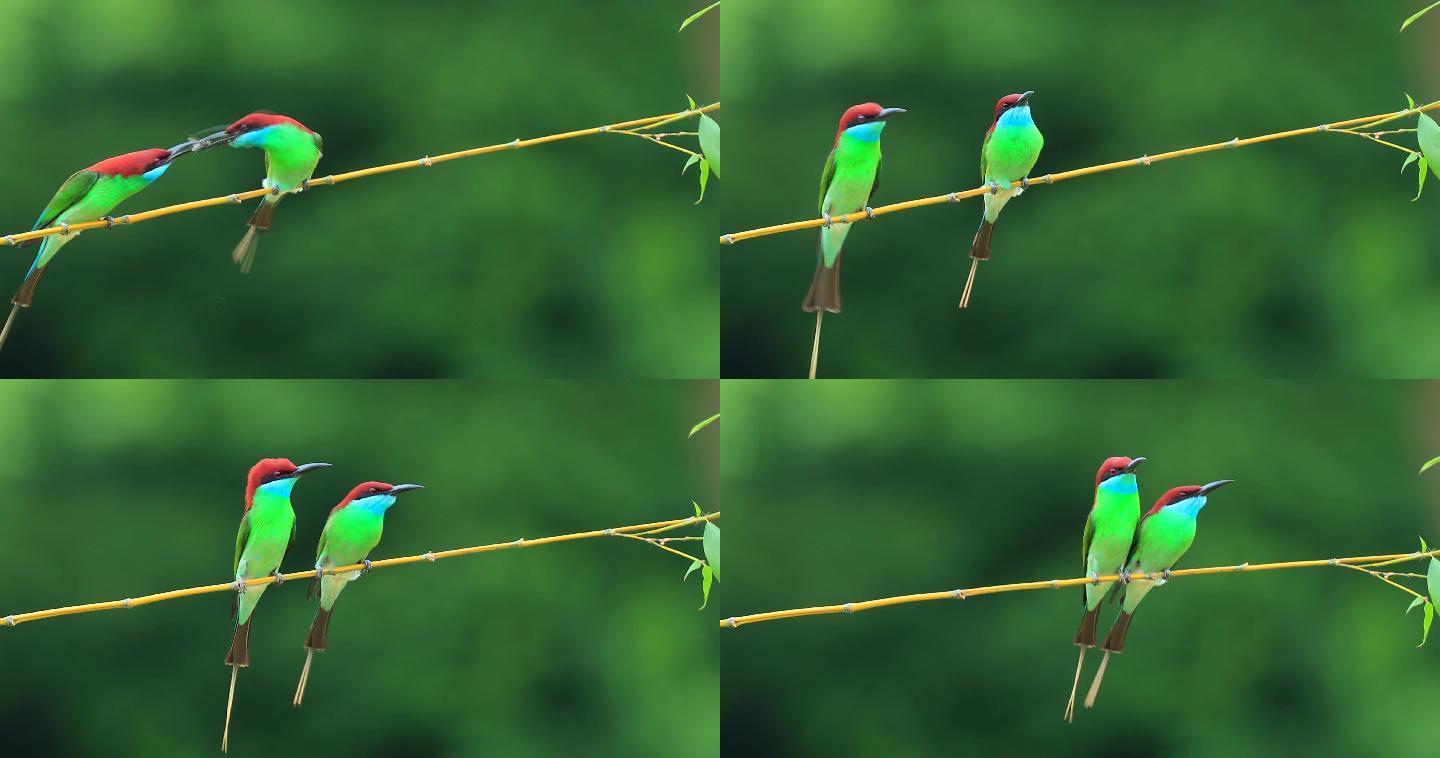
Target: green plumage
[(1109, 533), (1164, 537), (266, 532), (1007, 156), (850, 178), (349, 535)]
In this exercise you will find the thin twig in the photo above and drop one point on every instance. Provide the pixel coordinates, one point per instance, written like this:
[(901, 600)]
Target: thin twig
[(656, 139), (1371, 136), (1364, 123), (516, 144), (111, 605), (657, 543), (1047, 584)]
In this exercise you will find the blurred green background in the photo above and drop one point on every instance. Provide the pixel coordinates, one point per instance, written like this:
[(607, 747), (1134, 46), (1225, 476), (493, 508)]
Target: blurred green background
[(857, 491), (1302, 257), (588, 648), (583, 258)]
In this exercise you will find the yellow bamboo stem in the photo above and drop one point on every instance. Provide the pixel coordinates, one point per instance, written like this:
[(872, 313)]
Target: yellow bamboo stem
[(110, 605), (1046, 584), (1144, 160), (429, 160)]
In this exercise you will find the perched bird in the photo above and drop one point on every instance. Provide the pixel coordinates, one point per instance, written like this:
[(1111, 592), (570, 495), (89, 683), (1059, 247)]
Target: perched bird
[(1109, 531), (89, 195), (850, 178), (291, 153), (351, 532), (1165, 534), (266, 531), (1012, 145)]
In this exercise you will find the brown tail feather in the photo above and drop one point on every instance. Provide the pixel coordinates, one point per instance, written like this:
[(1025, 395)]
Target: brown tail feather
[(239, 654), (244, 254), (1115, 641), (980, 248), (1086, 636), (319, 631), (26, 294), (824, 291)]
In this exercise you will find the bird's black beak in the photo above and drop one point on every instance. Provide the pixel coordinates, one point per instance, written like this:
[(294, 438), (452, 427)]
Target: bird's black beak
[(1134, 464), (887, 113), (188, 146), (1025, 98), (399, 488), (1211, 487), (218, 138), (305, 469)]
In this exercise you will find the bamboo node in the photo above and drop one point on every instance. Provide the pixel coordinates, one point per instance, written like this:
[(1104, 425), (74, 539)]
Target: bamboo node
[(10, 621), (124, 220), (609, 532), (1323, 128), (1235, 142), (728, 239), (10, 240), (958, 594), (1243, 566), (731, 622), (234, 199), (518, 542), (1334, 561), (953, 197), (125, 602), (1054, 584), (1144, 160), (329, 179), (515, 144), (849, 608), (429, 556), (426, 162)]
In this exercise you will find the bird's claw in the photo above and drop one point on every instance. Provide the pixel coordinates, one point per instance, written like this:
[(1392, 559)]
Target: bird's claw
[(828, 220), (279, 577), (239, 585), (994, 188), (1094, 578), (1165, 575), (1024, 182), (1124, 577), (366, 563), (869, 213), (109, 222)]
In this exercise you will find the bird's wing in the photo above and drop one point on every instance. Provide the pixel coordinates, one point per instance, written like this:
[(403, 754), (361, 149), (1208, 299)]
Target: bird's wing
[(319, 143), (314, 588), (1119, 595), (69, 194), (984, 162), (876, 186), (825, 178), (1085, 552), (240, 539)]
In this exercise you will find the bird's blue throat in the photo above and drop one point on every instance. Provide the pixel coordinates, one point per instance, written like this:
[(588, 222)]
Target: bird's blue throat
[(375, 504), (1190, 506), (1123, 484), (1019, 116), (868, 132), (155, 173), (279, 487)]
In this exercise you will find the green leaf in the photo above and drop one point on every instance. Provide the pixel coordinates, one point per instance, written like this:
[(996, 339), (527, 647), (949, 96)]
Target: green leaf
[(691, 100), (704, 178), (715, 5), (1413, 603), (1425, 628), (707, 577), (711, 543), (1410, 100), (1409, 160), (695, 158), (698, 512), (1427, 132), (1429, 464), (1424, 170), (1408, 21), (1432, 580), (1423, 547), (707, 421), (697, 564), (710, 142)]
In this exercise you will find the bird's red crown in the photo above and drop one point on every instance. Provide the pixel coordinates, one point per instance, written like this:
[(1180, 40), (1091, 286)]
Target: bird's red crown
[(131, 164), (267, 470), (856, 114), (262, 119), (1113, 466), (362, 491), (1174, 496)]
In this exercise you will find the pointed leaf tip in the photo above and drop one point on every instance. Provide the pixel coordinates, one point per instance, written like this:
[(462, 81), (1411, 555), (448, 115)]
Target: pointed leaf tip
[(711, 543), (1432, 580), (710, 142), (1430, 464), (1425, 627), (695, 16), (1408, 21), (716, 417), (707, 577)]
